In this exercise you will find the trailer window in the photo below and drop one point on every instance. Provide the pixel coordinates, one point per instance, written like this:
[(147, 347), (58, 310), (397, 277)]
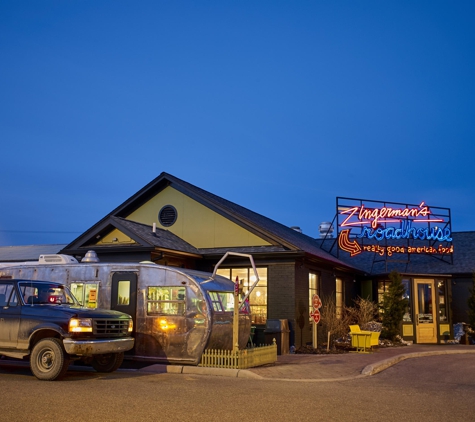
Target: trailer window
[(222, 301), (166, 300), (86, 293)]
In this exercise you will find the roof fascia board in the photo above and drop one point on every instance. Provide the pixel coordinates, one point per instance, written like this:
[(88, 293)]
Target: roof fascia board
[(147, 191), (100, 227)]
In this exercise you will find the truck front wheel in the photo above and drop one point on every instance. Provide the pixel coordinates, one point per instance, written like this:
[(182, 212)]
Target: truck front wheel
[(48, 360), (108, 362)]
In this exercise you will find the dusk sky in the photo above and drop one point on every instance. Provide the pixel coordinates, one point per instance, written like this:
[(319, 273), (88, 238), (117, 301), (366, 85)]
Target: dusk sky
[(278, 106)]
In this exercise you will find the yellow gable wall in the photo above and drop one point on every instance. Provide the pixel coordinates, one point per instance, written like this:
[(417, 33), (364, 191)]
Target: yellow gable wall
[(196, 224), (115, 237)]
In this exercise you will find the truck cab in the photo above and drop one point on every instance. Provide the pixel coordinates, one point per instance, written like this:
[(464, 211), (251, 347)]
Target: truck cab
[(43, 320)]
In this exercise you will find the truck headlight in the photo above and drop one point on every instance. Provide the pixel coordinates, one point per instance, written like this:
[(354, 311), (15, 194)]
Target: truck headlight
[(80, 325), (131, 326)]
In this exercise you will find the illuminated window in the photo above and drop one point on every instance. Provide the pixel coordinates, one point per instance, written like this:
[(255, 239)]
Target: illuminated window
[(222, 301), (258, 297), (312, 290), (407, 295), (383, 287), (339, 296), (166, 300), (86, 293), (442, 300), (123, 292)]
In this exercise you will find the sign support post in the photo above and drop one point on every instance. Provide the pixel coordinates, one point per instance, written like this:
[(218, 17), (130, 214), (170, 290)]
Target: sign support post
[(315, 314)]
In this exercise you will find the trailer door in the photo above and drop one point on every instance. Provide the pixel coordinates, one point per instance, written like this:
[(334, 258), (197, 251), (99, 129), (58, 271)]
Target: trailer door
[(124, 293)]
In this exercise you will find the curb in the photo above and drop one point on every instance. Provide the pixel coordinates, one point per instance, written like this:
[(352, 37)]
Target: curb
[(377, 367), (198, 370), (368, 370)]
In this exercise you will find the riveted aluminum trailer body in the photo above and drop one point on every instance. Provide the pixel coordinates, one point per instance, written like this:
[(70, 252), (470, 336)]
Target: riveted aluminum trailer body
[(177, 313)]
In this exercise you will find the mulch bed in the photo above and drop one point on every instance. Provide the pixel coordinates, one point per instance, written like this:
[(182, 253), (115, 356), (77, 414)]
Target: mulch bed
[(340, 348)]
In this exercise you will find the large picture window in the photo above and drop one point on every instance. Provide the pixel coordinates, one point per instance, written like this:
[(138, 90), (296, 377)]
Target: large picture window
[(258, 297), (166, 300), (313, 285), (383, 287)]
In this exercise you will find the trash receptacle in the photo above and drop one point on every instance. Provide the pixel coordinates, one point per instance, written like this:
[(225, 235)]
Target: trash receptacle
[(278, 329)]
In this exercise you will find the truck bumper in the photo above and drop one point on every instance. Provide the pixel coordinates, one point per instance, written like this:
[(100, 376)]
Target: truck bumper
[(97, 347)]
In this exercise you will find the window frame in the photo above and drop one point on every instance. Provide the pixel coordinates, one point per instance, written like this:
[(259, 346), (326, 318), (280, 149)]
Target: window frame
[(181, 310)]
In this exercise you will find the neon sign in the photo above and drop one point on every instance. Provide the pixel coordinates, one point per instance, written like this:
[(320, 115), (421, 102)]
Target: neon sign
[(413, 223)]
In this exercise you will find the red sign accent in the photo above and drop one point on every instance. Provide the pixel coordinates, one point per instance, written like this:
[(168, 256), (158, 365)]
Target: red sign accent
[(316, 316), (316, 302)]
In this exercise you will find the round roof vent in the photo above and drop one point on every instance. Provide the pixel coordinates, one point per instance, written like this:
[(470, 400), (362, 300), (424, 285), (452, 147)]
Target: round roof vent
[(90, 256), (167, 215)]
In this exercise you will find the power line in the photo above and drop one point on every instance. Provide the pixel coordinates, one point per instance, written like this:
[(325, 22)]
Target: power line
[(37, 231)]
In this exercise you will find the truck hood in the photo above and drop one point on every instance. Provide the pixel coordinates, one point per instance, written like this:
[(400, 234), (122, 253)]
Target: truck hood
[(71, 311)]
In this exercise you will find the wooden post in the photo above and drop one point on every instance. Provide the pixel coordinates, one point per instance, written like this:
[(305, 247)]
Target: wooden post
[(314, 335), (236, 317)]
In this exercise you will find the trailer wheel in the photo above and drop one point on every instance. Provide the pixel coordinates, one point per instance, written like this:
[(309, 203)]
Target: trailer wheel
[(48, 360), (108, 362)]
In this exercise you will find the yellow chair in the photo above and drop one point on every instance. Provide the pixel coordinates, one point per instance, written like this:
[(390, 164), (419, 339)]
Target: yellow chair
[(363, 341)]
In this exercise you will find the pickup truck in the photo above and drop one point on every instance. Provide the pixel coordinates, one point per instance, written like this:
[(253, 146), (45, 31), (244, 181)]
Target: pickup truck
[(42, 320)]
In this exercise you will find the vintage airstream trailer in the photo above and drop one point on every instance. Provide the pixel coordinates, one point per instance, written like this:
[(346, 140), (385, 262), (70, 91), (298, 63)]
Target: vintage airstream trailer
[(177, 312)]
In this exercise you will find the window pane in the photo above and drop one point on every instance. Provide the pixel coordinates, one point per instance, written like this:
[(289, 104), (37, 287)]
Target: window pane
[(312, 290), (339, 296), (407, 295), (257, 298), (166, 300), (123, 292), (77, 289), (225, 272), (227, 301), (442, 300), (243, 275), (13, 298), (91, 291), (5, 293), (424, 294)]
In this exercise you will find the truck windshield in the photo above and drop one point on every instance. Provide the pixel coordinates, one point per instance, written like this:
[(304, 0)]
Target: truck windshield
[(46, 294)]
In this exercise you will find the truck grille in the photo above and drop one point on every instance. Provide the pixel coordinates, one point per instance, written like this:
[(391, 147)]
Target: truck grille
[(111, 327)]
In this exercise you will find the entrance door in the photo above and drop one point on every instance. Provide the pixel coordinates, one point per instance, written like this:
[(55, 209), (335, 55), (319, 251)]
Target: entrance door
[(124, 293), (425, 308)]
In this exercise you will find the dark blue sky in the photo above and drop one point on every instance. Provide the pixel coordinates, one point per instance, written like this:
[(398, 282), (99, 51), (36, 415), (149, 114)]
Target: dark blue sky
[(279, 106)]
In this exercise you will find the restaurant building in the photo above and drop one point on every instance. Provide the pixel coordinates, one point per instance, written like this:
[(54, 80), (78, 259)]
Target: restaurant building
[(174, 223)]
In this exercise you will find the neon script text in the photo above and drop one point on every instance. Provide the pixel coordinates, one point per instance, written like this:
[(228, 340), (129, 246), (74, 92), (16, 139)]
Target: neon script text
[(375, 216)]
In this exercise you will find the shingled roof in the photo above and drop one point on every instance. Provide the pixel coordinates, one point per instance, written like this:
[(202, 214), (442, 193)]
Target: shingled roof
[(462, 262), (161, 238)]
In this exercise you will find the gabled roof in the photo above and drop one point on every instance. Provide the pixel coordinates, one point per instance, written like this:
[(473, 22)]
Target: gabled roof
[(279, 235), (142, 234)]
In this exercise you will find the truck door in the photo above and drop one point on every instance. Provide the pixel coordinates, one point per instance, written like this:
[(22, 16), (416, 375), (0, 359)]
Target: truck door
[(124, 293), (9, 316)]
